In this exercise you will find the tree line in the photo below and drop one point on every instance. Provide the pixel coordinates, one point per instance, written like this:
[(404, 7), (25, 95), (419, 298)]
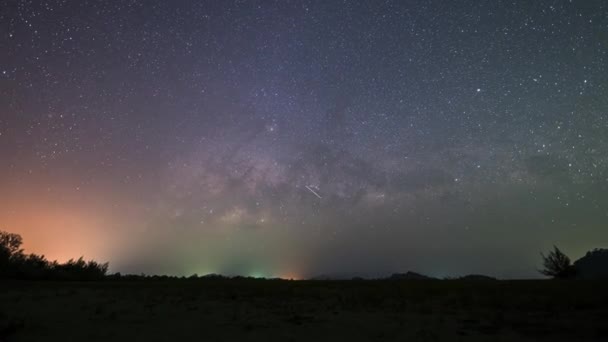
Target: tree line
[(15, 264)]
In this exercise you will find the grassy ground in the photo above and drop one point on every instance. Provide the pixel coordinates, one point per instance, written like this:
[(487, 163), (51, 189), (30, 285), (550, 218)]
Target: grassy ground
[(265, 310)]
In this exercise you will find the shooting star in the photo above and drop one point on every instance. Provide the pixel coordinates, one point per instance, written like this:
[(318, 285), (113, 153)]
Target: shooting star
[(311, 190)]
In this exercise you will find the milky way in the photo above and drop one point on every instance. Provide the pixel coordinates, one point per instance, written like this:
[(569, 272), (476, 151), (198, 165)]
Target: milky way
[(295, 138)]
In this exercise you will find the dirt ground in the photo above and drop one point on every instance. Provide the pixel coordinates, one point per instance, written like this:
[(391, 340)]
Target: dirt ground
[(276, 310)]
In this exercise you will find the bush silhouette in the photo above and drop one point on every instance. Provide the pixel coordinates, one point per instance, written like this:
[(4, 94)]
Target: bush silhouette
[(80, 269), (556, 264), (32, 266)]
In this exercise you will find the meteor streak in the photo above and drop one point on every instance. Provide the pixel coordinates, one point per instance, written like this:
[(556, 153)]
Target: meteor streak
[(311, 190)]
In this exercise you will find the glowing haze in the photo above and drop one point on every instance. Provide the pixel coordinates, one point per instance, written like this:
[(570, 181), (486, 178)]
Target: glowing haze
[(296, 138)]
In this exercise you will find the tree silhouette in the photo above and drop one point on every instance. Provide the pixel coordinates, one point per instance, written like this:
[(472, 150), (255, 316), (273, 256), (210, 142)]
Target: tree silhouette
[(10, 243), (556, 264), (10, 253)]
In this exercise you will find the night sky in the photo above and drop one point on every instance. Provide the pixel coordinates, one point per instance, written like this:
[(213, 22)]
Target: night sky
[(297, 138)]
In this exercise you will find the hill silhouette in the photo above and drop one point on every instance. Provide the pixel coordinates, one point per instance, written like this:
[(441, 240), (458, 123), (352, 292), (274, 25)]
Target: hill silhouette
[(409, 276), (477, 277)]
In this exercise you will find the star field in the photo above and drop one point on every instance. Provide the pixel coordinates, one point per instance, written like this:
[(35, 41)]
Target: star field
[(305, 137)]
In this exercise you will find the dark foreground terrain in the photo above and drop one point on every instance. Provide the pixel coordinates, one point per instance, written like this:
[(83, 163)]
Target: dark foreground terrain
[(274, 310)]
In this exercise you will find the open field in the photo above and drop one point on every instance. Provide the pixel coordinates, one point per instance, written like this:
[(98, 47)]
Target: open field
[(268, 310)]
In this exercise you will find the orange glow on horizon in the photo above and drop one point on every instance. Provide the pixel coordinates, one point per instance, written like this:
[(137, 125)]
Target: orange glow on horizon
[(60, 226), (290, 276)]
